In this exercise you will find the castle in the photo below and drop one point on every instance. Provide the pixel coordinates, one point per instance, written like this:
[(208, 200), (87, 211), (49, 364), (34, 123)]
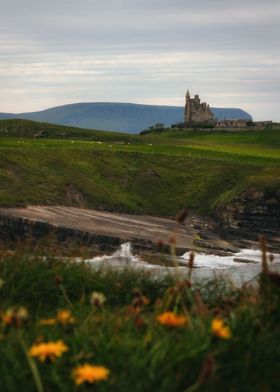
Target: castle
[(199, 114), (196, 112)]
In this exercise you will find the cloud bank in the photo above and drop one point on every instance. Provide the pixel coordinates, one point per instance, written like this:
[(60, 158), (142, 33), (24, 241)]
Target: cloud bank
[(58, 52)]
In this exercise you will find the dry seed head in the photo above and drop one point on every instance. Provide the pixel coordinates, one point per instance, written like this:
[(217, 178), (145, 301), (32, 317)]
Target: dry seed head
[(181, 216), (172, 240), (160, 244), (191, 259), (264, 254), (58, 279)]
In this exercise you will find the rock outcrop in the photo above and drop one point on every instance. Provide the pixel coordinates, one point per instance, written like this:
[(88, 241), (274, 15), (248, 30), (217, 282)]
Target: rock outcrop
[(251, 214)]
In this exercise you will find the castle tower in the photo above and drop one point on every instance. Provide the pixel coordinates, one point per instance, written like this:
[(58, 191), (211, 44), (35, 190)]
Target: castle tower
[(195, 111), (188, 108)]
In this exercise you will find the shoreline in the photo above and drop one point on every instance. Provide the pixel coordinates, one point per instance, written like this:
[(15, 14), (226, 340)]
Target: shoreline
[(106, 231)]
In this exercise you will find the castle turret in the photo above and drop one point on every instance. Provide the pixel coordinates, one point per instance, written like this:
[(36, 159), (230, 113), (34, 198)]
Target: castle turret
[(197, 99), (188, 108)]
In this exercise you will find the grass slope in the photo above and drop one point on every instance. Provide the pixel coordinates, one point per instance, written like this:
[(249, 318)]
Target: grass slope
[(144, 174)]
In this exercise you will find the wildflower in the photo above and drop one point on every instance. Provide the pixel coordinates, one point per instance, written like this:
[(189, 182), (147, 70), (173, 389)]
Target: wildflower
[(22, 313), (172, 319), (97, 299), (15, 316), (64, 317), (7, 317), (219, 329), (133, 310), (141, 301), (90, 374), (47, 321), (50, 350)]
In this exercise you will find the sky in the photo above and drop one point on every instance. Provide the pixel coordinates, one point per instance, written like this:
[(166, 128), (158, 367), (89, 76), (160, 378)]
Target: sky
[(143, 51)]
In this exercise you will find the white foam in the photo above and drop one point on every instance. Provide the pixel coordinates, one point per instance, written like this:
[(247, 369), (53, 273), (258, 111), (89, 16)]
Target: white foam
[(235, 260), (123, 253), (203, 260), (255, 255), (207, 266), (122, 258)]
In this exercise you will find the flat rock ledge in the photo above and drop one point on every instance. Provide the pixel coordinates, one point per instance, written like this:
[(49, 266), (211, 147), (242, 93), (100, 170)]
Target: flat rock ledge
[(105, 231)]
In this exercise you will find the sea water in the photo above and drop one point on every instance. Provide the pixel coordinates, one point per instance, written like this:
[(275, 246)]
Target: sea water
[(239, 267)]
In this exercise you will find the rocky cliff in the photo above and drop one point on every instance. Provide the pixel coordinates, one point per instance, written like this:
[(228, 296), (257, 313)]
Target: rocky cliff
[(251, 214)]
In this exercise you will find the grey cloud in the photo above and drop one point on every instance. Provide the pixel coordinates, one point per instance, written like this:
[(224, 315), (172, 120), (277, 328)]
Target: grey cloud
[(142, 51)]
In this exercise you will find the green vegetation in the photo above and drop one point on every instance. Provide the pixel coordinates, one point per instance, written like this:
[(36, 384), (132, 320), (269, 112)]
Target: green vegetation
[(155, 174), (33, 129), (216, 338)]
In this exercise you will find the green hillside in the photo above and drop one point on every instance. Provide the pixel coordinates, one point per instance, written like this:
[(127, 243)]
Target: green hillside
[(155, 174), (36, 130)]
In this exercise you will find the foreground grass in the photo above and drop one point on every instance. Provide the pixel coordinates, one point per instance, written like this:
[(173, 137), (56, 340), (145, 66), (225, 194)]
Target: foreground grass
[(125, 335), (139, 174)]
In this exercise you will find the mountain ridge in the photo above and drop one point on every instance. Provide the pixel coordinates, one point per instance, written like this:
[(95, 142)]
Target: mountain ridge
[(117, 116)]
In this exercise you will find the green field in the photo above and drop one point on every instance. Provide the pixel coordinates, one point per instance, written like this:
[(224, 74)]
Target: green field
[(155, 174)]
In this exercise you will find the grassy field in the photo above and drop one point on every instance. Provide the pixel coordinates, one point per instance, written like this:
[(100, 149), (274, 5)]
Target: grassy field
[(149, 335), (155, 174)]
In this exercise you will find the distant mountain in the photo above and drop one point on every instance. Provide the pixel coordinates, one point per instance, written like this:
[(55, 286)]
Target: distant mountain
[(127, 117)]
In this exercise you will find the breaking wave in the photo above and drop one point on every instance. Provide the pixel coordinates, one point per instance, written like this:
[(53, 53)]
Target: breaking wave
[(239, 268)]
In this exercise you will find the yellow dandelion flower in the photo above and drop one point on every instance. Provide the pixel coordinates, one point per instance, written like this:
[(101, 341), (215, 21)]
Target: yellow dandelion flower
[(47, 321), (172, 319), (15, 316), (219, 329), (22, 313), (50, 350), (8, 317), (64, 317), (90, 374)]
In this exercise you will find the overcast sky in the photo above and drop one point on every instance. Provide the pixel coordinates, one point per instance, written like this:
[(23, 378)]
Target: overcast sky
[(145, 51)]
